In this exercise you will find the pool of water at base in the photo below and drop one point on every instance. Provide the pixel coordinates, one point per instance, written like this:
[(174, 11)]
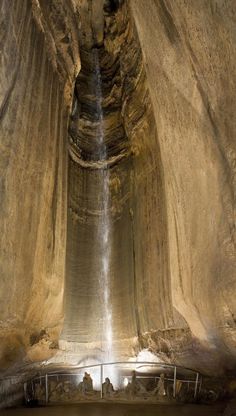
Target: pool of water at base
[(117, 410)]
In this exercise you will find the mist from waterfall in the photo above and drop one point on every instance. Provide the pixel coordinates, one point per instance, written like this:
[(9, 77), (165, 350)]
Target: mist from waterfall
[(104, 226)]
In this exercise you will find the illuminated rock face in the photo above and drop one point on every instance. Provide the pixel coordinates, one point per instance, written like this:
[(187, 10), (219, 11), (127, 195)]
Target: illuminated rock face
[(146, 150), (39, 60), (190, 63)]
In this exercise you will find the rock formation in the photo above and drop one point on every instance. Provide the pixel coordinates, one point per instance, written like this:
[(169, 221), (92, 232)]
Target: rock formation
[(190, 62), (39, 62), (156, 82)]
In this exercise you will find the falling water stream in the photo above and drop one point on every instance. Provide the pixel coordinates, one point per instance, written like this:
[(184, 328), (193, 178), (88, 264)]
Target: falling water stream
[(104, 226)]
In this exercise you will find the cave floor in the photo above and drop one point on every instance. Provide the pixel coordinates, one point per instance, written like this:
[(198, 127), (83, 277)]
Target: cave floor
[(118, 410)]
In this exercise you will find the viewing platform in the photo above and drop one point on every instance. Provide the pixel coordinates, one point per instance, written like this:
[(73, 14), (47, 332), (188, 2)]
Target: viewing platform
[(115, 381)]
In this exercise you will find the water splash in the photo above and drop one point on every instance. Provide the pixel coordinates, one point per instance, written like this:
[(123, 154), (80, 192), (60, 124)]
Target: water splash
[(104, 226)]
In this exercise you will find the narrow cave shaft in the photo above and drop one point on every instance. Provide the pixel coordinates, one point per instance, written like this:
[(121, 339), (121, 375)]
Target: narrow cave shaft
[(98, 224), (114, 286)]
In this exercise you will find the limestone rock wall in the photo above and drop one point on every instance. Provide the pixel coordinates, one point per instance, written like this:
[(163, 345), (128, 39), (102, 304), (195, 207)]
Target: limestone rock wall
[(39, 61), (190, 57)]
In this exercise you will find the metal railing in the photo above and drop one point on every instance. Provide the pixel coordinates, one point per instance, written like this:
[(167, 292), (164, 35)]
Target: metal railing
[(150, 370)]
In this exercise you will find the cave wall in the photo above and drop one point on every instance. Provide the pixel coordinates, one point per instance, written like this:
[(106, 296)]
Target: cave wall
[(189, 54), (168, 73), (39, 61)]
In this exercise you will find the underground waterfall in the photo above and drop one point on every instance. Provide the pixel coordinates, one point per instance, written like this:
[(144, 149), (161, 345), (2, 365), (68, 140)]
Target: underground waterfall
[(104, 227), (100, 267), (97, 266), (117, 183)]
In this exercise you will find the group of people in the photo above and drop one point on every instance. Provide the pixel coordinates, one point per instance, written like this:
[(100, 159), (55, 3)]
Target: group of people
[(133, 388), (86, 386)]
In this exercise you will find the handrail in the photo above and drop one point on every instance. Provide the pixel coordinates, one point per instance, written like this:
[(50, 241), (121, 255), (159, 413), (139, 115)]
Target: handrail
[(161, 366)]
